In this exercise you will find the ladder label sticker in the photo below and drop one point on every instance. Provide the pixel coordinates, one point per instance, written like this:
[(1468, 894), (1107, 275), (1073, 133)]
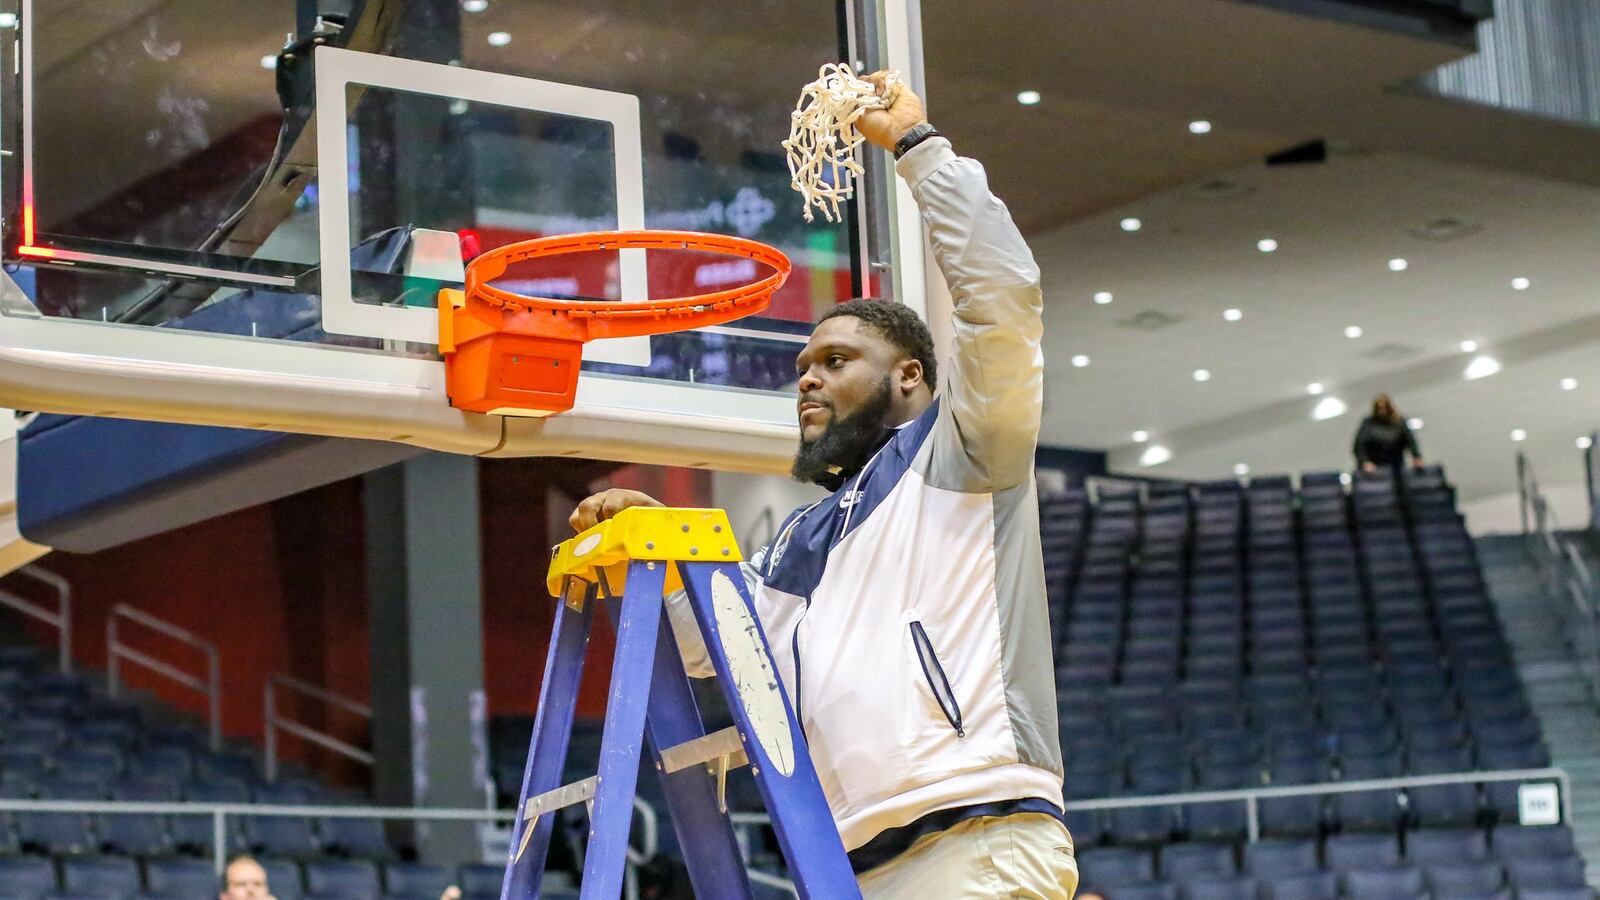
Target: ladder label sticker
[(589, 543), (753, 675)]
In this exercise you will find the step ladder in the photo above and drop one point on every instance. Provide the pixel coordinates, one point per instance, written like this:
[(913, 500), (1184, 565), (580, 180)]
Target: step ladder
[(630, 563)]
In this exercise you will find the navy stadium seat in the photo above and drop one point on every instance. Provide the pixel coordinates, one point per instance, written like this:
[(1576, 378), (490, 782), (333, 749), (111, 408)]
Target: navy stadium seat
[(415, 881), (481, 881), (1398, 882), (1187, 861), (1347, 852), (1106, 867), (26, 876), (1307, 886), (181, 877), (114, 875), (348, 878)]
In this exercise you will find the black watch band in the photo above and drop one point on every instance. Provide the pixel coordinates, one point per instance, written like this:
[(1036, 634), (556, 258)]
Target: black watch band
[(912, 138)]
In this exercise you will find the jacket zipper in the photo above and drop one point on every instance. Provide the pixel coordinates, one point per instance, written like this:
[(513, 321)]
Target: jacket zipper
[(938, 682)]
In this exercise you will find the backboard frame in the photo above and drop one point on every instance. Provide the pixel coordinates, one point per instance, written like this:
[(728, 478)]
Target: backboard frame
[(93, 368)]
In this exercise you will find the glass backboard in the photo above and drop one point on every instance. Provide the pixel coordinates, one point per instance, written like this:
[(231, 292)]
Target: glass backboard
[(206, 222)]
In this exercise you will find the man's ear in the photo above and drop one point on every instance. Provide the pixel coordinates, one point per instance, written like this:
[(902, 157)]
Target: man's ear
[(910, 375)]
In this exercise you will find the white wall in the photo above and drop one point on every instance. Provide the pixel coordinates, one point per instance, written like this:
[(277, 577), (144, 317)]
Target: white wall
[(748, 499), (1501, 513)]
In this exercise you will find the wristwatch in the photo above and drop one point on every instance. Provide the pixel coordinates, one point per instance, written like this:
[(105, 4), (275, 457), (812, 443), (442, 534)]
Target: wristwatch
[(916, 135)]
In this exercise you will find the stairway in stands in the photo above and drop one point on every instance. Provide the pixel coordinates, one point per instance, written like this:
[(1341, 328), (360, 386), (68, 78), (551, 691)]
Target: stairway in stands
[(1567, 711)]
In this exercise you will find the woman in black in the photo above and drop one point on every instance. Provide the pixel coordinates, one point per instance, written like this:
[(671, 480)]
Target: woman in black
[(1384, 438)]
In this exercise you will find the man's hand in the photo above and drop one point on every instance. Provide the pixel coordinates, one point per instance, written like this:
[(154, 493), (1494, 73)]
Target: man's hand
[(883, 127), (606, 504)]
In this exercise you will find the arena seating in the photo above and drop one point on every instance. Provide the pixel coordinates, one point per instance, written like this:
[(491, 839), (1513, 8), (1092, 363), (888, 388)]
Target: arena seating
[(1221, 635)]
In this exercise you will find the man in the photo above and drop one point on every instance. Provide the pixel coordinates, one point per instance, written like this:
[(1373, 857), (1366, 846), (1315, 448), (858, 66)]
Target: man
[(906, 611), (244, 879)]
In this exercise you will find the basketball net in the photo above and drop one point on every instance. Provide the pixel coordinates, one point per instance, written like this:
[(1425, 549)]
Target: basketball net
[(823, 141)]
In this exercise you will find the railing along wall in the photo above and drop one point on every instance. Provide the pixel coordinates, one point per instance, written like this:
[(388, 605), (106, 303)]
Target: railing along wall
[(116, 651), (59, 618), (276, 721)]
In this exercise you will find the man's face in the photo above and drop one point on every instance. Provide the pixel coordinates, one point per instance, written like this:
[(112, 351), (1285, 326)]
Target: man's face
[(245, 880), (842, 369)]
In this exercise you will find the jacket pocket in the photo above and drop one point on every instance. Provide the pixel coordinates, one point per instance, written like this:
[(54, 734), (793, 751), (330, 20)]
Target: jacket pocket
[(938, 682)]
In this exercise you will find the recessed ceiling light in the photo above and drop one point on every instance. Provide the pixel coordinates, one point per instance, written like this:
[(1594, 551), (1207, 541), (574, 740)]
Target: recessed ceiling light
[(1080, 360), (1469, 346), (1131, 224), (1202, 374), (1414, 423), (1141, 436), (1103, 297), (1154, 455), (1266, 245), (1569, 384), (270, 61), (1233, 315), (1352, 331), (1241, 469), (1028, 98), (1481, 367), (474, 6), (1518, 435), (459, 107), (499, 38), (1329, 408), (1398, 265), (1314, 388), (1344, 478), (1585, 442), (1520, 284), (8, 20), (1199, 126)]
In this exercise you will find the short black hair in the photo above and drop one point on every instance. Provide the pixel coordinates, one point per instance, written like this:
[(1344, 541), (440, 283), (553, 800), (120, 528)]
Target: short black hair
[(897, 324)]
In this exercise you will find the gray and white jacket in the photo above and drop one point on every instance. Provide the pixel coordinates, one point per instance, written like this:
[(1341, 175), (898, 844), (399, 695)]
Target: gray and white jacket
[(906, 611)]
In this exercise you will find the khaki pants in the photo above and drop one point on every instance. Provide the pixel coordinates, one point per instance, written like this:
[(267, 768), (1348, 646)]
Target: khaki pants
[(1027, 856)]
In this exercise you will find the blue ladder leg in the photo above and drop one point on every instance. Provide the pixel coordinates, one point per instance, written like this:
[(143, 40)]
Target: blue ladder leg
[(547, 751), (772, 737), (637, 629), (705, 834)]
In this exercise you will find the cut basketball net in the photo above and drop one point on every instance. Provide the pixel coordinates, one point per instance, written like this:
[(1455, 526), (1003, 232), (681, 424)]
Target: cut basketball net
[(823, 140)]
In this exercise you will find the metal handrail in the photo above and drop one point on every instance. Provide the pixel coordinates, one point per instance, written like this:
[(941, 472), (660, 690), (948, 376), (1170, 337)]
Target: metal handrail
[(219, 813), (276, 723), (1565, 576), (60, 618), (116, 651)]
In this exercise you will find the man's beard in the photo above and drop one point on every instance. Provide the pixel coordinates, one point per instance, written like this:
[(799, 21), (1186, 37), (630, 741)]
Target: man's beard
[(844, 446)]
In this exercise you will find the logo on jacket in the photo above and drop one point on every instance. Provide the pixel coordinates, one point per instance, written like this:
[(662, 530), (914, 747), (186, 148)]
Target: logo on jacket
[(851, 498)]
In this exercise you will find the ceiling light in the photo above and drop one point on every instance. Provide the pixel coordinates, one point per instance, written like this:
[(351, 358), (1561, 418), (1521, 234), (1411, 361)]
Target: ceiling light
[(1028, 98), (1080, 360), (1569, 384), (1518, 435), (1352, 331), (1103, 297), (1585, 442), (499, 38), (1414, 423), (1344, 478), (1131, 224), (1314, 388), (1202, 374), (1520, 284), (1154, 455), (1233, 315), (1469, 346), (1199, 126), (1141, 436), (1398, 265), (459, 107), (1481, 367), (1266, 245), (1329, 408), (1241, 469), (8, 20), (474, 6), (270, 61)]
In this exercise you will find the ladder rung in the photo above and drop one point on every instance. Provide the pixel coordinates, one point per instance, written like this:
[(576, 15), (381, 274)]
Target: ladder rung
[(561, 798), (718, 744), (704, 749)]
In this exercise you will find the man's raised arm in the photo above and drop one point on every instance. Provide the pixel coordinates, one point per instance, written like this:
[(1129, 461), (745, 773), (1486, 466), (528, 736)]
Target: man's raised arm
[(994, 392)]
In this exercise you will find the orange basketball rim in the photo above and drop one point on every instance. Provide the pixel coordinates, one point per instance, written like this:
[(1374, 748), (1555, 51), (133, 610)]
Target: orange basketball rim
[(510, 354)]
